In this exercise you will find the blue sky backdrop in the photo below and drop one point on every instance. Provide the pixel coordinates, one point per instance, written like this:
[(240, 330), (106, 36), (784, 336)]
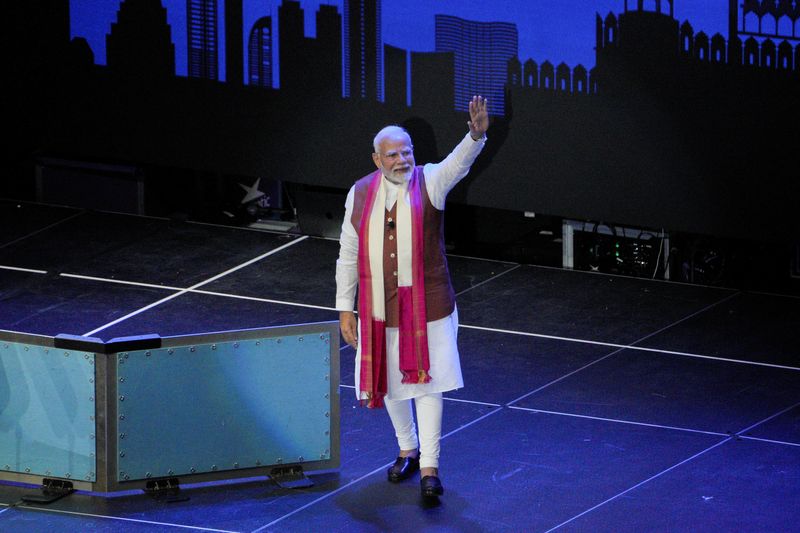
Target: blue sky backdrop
[(555, 30)]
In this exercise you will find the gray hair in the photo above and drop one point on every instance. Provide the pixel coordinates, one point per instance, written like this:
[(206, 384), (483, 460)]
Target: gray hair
[(388, 131)]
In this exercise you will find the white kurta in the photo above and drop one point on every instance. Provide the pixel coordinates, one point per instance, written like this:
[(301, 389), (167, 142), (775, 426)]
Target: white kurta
[(445, 370)]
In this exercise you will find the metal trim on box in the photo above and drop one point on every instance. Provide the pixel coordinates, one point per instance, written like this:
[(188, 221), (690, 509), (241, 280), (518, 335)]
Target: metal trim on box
[(106, 398)]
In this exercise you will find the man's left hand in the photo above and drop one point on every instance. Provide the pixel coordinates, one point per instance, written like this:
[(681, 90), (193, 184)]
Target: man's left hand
[(478, 117)]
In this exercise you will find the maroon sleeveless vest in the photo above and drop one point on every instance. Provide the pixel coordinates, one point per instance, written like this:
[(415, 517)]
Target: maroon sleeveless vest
[(440, 298)]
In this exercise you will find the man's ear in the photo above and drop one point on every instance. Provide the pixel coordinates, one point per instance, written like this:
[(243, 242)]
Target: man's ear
[(377, 159)]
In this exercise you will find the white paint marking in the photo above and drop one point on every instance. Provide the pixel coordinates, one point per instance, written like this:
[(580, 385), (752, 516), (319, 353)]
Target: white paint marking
[(136, 520), (19, 269), (673, 467), (602, 419), (214, 278)]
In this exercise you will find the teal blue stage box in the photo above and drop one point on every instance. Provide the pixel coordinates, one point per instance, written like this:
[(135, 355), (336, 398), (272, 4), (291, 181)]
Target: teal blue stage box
[(202, 407), (47, 411)]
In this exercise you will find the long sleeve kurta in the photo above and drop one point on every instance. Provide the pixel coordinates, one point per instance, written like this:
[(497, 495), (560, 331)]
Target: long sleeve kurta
[(440, 178)]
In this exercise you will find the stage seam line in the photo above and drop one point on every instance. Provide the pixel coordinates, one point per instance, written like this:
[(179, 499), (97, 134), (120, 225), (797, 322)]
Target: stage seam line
[(762, 293), (123, 282), (629, 346), (466, 326), (782, 411), (770, 440), (779, 413), (673, 467), (195, 291), (484, 259), (136, 520), (259, 230), (379, 469), (42, 229), (622, 348), (488, 280), (19, 269), (265, 300), (476, 402), (214, 278), (669, 281), (617, 420)]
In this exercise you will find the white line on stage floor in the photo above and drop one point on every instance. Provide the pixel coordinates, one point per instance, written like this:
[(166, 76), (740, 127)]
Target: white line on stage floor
[(629, 347), (673, 467), (365, 476), (503, 273), (779, 413), (772, 441), (19, 269), (40, 230), (182, 290), (619, 349), (776, 415), (136, 520), (209, 280), (616, 420), (196, 291), (123, 282)]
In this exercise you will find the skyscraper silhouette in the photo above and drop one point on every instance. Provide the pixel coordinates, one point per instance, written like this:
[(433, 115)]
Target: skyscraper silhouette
[(201, 36), (290, 45), (309, 66), (234, 55), (327, 51), (139, 42), (482, 51), (363, 55), (260, 53), (395, 75)]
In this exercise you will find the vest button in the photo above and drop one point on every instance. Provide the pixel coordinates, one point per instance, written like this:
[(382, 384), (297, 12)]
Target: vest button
[(391, 237), (395, 272), (391, 255)]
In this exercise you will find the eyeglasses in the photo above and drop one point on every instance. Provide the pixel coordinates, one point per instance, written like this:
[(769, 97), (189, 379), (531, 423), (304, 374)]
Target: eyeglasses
[(394, 156)]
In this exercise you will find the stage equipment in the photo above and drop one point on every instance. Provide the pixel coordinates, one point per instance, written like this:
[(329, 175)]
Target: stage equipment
[(155, 413), (612, 249)]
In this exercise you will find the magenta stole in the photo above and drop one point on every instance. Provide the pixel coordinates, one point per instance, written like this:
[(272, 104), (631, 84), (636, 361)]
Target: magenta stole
[(412, 324)]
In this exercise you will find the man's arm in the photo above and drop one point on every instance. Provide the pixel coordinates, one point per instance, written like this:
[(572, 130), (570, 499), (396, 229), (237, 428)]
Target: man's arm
[(440, 178), (347, 275)]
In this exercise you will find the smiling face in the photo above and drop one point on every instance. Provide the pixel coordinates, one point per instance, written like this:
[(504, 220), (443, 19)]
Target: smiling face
[(395, 156)]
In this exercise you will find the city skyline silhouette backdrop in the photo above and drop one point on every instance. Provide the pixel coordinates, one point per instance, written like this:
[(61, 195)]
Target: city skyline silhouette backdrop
[(554, 30)]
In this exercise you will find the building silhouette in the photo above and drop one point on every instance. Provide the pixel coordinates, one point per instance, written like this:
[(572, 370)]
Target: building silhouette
[(648, 49), (291, 36), (395, 75), (310, 67), (326, 52), (37, 34), (201, 39), (259, 49), (234, 36), (140, 40), (481, 51), (645, 47), (363, 61), (432, 82)]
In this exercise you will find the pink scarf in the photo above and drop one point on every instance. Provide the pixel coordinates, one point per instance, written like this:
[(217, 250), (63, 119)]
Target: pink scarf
[(413, 324)]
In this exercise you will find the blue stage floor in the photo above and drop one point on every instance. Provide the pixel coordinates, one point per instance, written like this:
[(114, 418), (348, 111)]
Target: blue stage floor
[(592, 402)]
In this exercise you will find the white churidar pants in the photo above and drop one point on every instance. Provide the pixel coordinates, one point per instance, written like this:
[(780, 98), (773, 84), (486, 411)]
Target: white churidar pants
[(429, 418)]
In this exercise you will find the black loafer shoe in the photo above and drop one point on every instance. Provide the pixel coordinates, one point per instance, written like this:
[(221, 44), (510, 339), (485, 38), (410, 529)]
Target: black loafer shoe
[(403, 468), (431, 487)]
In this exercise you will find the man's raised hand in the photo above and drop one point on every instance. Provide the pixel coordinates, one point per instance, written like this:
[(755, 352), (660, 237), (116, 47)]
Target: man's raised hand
[(478, 117)]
